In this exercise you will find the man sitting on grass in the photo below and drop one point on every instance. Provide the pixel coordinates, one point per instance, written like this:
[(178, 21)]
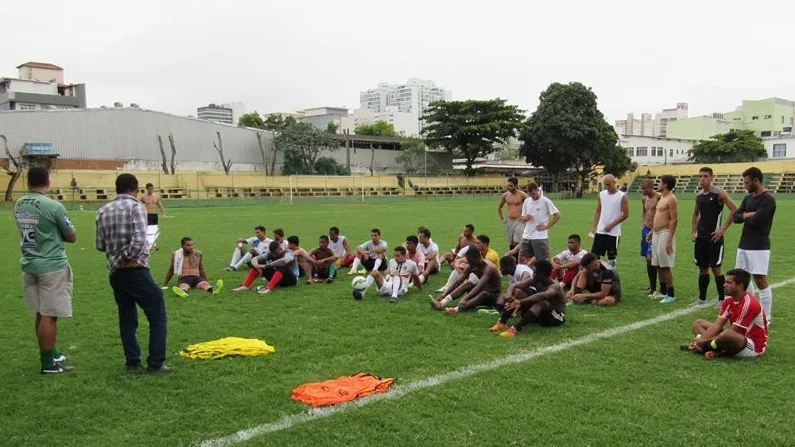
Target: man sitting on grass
[(520, 276), (481, 279), (323, 266), (241, 257), (566, 265), (401, 271), (371, 254), (597, 283), (186, 263), (747, 335), (277, 265), (542, 303)]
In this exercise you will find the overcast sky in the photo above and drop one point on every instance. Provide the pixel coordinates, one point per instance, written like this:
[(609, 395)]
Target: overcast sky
[(638, 56)]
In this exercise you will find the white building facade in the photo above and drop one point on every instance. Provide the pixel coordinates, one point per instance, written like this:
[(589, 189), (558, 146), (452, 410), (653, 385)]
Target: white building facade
[(648, 151), (651, 126), (413, 97), (404, 123)]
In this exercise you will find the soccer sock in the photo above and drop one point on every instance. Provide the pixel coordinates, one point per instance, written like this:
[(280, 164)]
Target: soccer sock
[(719, 280), (527, 318), (356, 263), (243, 261), (670, 292), (766, 298), (652, 272), (210, 290), (252, 276), (277, 276), (422, 279), (332, 270), (663, 288), (56, 353), (395, 288), (506, 315), (703, 285), (235, 257), (447, 300), (452, 279), (612, 262), (47, 358), (377, 264), (369, 282)]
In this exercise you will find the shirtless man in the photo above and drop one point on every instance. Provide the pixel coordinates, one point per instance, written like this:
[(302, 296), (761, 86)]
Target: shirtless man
[(663, 246), (466, 239), (541, 302), (514, 198), (649, 201), (186, 263), (152, 202), (481, 279)]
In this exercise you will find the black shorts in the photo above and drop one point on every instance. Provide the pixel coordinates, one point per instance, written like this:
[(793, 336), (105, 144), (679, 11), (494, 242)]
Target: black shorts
[(550, 318), (707, 253), (596, 287), (605, 244), (430, 272), (151, 219), (192, 280), (322, 273), (370, 263)]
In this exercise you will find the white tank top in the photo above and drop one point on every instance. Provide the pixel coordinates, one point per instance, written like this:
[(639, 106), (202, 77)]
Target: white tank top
[(611, 210), (337, 247)]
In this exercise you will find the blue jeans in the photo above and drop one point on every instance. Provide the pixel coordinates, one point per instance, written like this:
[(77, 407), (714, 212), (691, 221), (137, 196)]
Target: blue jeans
[(135, 286)]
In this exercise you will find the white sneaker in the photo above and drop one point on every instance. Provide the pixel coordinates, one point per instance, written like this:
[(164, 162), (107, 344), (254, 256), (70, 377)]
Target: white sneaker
[(699, 302), (442, 289), (264, 291), (241, 289), (59, 359)]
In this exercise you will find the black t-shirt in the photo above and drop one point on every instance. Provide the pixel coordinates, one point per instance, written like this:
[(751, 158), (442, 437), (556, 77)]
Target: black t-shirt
[(756, 230), (710, 212), (605, 275)]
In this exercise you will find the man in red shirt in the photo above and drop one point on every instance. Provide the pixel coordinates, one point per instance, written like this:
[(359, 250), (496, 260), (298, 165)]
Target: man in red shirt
[(747, 336)]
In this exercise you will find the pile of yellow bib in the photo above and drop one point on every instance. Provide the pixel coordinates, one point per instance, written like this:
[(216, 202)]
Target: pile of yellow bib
[(228, 347)]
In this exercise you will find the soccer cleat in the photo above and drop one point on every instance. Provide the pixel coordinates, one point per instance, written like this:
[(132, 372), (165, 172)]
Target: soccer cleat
[(698, 302), (241, 289), (442, 289), (357, 295), (56, 369), (179, 292), (434, 304), (161, 370), (452, 310), (394, 299), (264, 291), (231, 268), (489, 311), (667, 300), (499, 326), (219, 285), (709, 355), (60, 359), (650, 292), (719, 304), (510, 333), (329, 280)]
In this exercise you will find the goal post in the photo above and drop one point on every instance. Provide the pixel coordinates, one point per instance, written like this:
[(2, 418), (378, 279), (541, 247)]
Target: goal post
[(336, 186)]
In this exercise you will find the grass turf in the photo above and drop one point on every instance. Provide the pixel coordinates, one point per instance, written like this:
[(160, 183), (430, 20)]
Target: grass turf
[(633, 389)]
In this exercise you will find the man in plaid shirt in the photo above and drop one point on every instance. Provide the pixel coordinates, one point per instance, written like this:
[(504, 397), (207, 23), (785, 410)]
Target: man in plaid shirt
[(121, 234)]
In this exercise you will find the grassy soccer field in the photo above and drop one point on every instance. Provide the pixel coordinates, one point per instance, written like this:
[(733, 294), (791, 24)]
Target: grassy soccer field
[(635, 388)]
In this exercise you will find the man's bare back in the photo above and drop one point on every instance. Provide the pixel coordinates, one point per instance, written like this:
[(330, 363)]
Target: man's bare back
[(662, 214), (514, 199), (650, 208)]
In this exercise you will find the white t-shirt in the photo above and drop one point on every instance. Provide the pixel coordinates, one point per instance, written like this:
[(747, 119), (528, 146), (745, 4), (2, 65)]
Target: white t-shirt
[(540, 209), (611, 210), (568, 256), (369, 246), (337, 247), (521, 269), (258, 245), (428, 251)]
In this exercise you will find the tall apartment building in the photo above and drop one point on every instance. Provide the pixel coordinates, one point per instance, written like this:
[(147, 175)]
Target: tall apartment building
[(412, 97), (40, 85), (648, 126), (228, 113)]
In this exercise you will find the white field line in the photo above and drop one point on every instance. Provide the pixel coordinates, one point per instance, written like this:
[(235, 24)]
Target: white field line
[(399, 391)]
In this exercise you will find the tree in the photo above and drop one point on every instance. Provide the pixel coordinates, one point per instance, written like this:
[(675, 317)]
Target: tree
[(302, 144), (329, 166), (332, 127), (164, 159), (568, 131), (15, 174), (471, 129), (252, 119), (413, 158), (276, 124), (508, 150), (377, 129), (227, 165), (736, 146), (173, 153)]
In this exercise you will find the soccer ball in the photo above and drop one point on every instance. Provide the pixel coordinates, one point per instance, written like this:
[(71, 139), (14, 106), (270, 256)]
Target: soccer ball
[(359, 283)]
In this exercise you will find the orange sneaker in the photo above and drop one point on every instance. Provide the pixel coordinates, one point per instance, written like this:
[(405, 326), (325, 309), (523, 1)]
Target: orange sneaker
[(500, 326), (511, 332)]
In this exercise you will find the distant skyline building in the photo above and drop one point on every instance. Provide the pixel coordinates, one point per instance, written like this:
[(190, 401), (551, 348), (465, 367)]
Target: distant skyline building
[(769, 117), (228, 113), (40, 85), (651, 126), (412, 97)]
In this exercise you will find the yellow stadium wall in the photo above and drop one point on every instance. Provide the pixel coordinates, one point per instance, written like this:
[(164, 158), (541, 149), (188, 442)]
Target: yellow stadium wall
[(767, 167)]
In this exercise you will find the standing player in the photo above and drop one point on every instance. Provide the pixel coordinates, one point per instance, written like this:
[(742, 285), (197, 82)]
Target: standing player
[(649, 201), (514, 198), (753, 254), (536, 213), (747, 336), (187, 264), (431, 251), (662, 238), (566, 264), (341, 248), (465, 239), (612, 208), (371, 254), (152, 202), (44, 226), (259, 244), (400, 273), (708, 233)]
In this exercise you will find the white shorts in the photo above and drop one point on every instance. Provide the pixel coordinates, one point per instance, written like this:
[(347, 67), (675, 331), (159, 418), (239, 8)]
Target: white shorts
[(754, 262), (514, 228), (49, 294), (748, 351), (660, 257), (386, 287)]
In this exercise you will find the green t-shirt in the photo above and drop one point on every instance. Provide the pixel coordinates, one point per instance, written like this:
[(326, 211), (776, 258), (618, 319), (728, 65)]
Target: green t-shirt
[(43, 224)]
